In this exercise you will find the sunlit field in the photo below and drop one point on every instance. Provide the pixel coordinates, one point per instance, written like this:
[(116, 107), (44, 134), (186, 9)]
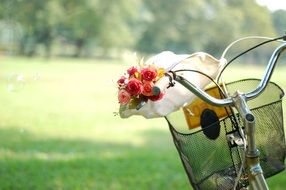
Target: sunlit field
[(59, 129)]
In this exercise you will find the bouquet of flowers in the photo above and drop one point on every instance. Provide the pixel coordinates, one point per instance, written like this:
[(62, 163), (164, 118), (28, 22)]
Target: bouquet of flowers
[(135, 88)]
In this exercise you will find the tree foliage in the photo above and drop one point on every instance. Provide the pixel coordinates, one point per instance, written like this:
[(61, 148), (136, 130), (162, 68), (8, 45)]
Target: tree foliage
[(192, 25), (279, 21), (146, 26)]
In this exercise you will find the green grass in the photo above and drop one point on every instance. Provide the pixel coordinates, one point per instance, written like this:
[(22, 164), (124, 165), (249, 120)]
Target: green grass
[(58, 130)]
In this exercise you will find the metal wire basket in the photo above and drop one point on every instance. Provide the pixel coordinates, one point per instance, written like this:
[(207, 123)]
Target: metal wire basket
[(212, 155)]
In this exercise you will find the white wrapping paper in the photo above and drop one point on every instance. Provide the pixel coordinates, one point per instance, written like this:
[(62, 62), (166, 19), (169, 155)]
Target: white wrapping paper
[(177, 96)]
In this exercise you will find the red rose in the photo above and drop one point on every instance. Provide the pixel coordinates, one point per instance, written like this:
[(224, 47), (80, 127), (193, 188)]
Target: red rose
[(121, 81), (134, 87), (123, 97), (147, 89), (156, 98), (132, 71), (149, 73)]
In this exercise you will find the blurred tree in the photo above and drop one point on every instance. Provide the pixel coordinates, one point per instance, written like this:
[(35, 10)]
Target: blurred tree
[(279, 21), (35, 20), (222, 26), (201, 25), (148, 26), (232, 19), (105, 23), (78, 23), (119, 19), (255, 21), (172, 24), (10, 31)]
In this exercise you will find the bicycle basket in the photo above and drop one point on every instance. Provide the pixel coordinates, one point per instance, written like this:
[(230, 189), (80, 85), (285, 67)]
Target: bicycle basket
[(213, 163)]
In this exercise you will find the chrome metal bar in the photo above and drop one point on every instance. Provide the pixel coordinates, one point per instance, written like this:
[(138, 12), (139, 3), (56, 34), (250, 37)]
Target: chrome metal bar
[(202, 94), (249, 123), (268, 73), (255, 172)]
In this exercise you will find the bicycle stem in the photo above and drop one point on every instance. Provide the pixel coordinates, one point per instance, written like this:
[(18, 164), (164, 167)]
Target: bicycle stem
[(255, 172)]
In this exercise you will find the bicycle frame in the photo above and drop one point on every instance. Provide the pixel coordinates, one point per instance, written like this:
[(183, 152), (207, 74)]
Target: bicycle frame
[(239, 101)]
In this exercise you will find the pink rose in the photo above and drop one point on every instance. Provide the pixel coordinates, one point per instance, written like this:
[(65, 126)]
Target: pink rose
[(156, 98), (134, 87), (121, 81), (123, 97), (147, 89), (132, 70), (149, 73)]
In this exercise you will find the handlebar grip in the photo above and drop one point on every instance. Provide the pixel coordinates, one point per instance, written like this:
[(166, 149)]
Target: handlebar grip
[(160, 85)]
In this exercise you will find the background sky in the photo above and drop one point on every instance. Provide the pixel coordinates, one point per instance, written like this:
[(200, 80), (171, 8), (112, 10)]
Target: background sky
[(273, 4)]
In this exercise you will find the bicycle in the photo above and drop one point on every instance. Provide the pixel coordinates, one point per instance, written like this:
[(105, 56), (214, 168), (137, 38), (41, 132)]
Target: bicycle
[(248, 158)]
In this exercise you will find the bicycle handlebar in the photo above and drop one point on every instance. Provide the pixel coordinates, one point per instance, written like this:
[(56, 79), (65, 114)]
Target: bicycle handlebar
[(229, 101), (268, 73)]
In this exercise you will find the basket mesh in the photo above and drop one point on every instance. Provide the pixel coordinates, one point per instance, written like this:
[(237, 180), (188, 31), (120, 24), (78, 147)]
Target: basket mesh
[(213, 164)]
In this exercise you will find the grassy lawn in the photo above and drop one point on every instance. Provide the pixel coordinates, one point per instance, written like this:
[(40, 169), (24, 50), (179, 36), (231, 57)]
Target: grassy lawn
[(58, 130)]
